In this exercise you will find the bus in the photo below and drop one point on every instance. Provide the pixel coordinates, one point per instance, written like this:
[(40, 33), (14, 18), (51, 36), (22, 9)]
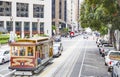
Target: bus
[(29, 56)]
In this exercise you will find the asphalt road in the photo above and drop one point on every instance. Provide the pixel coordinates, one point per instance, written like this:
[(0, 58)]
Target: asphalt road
[(90, 63), (80, 58)]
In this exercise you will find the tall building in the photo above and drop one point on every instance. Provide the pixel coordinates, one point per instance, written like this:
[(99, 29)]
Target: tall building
[(59, 14), (26, 17), (73, 13)]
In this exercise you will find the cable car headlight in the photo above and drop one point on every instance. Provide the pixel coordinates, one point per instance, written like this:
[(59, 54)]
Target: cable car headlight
[(22, 63)]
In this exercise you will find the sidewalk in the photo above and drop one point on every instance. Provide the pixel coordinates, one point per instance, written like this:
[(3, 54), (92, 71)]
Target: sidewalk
[(3, 46)]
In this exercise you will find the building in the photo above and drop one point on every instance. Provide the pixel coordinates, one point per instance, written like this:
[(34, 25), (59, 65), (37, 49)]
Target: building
[(73, 13), (59, 14), (26, 17)]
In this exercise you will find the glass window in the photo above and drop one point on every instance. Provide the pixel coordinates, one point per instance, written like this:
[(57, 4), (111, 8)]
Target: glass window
[(22, 51), (1, 23), (38, 11), (30, 51), (26, 26), (18, 26), (22, 9), (9, 25), (5, 8), (14, 51), (34, 26)]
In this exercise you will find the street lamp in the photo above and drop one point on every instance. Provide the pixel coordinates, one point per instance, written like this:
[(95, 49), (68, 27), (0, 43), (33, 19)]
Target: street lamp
[(11, 18), (38, 26)]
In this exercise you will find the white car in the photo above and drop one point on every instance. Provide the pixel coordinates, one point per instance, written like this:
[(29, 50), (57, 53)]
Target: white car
[(57, 49), (4, 55), (116, 70), (112, 58)]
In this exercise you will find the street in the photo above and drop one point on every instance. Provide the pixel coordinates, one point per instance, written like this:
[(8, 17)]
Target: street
[(80, 58)]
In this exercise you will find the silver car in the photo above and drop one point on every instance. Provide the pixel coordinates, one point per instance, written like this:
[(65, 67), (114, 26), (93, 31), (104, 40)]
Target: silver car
[(57, 49), (116, 70)]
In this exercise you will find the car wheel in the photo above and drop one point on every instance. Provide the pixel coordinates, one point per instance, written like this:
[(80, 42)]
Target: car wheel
[(105, 64), (103, 55), (109, 70)]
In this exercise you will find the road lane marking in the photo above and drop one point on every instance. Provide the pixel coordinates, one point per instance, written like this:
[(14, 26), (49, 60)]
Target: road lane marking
[(82, 62)]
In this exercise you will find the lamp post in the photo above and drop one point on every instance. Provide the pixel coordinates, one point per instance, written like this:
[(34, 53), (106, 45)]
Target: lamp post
[(38, 26), (11, 18)]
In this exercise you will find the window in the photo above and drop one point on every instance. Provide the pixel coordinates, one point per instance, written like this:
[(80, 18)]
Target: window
[(5, 8), (18, 26), (9, 25), (30, 51), (22, 51), (14, 51), (22, 10), (26, 26), (38, 11), (34, 26)]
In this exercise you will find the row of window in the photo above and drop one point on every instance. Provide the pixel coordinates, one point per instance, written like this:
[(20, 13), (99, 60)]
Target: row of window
[(9, 25), (22, 9)]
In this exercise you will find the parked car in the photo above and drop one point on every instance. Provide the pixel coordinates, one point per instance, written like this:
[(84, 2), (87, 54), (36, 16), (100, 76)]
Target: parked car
[(106, 50), (105, 47), (112, 58), (57, 49), (98, 42), (116, 70), (85, 36), (4, 55)]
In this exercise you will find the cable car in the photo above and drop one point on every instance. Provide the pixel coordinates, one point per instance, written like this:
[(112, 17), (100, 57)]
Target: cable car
[(28, 56)]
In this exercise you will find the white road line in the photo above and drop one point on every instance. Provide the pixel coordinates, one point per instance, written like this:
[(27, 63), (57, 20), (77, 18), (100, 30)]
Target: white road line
[(82, 62)]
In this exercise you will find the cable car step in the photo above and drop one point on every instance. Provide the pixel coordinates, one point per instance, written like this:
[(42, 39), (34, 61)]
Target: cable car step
[(27, 73)]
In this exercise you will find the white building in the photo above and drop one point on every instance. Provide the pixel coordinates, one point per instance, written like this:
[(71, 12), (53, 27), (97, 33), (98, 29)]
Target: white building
[(26, 17), (73, 13)]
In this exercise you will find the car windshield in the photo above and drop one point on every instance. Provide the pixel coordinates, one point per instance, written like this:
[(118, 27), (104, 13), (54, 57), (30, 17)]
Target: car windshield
[(115, 55), (108, 45)]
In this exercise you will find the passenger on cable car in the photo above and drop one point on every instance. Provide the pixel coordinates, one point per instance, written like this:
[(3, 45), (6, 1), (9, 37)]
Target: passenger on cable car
[(30, 51)]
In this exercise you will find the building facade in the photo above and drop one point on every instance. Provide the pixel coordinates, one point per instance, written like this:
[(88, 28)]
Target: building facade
[(73, 13), (59, 14), (26, 17)]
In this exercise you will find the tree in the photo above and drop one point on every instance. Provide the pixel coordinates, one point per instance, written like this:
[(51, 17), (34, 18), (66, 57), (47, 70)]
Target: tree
[(54, 29), (97, 14)]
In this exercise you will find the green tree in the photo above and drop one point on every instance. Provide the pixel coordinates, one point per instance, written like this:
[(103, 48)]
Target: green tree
[(54, 28), (97, 14)]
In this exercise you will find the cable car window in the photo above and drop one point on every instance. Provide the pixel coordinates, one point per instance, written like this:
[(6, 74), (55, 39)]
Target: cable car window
[(30, 51), (22, 51), (14, 51)]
